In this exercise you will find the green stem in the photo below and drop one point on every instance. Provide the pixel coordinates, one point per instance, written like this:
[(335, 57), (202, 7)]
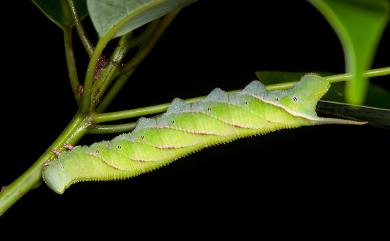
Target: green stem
[(369, 73), (130, 67), (70, 62), (109, 129), (89, 77), (80, 30), (28, 180), (127, 114), (109, 72)]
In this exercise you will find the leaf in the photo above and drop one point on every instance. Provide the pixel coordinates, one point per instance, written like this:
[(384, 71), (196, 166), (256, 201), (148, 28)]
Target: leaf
[(375, 116), (359, 25), (58, 11), (123, 16)]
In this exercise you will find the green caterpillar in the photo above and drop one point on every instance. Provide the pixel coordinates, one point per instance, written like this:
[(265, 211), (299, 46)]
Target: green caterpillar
[(185, 128)]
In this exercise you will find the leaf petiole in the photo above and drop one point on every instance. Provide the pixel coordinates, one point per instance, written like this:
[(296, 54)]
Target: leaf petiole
[(80, 30), (71, 63), (109, 129)]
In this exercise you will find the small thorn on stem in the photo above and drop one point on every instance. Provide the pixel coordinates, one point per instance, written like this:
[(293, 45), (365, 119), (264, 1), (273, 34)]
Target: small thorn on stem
[(69, 147), (3, 188), (56, 152)]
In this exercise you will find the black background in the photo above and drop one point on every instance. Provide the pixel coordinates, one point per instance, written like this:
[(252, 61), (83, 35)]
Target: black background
[(323, 179)]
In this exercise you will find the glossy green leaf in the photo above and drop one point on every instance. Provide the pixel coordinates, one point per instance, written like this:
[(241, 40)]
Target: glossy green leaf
[(374, 116), (123, 16), (359, 25), (58, 11)]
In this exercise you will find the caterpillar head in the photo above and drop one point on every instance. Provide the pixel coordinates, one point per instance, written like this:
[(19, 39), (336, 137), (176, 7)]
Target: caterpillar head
[(303, 97), (54, 177)]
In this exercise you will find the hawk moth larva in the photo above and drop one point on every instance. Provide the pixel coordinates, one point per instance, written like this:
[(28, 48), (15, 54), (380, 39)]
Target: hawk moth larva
[(186, 128)]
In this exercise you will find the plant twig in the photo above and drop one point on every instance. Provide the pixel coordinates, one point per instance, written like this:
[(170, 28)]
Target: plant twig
[(70, 62), (127, 114), (80, 30), (369, 73), (29, 179), (108, 73), (109, 129), (86, 99), (89, 77)]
